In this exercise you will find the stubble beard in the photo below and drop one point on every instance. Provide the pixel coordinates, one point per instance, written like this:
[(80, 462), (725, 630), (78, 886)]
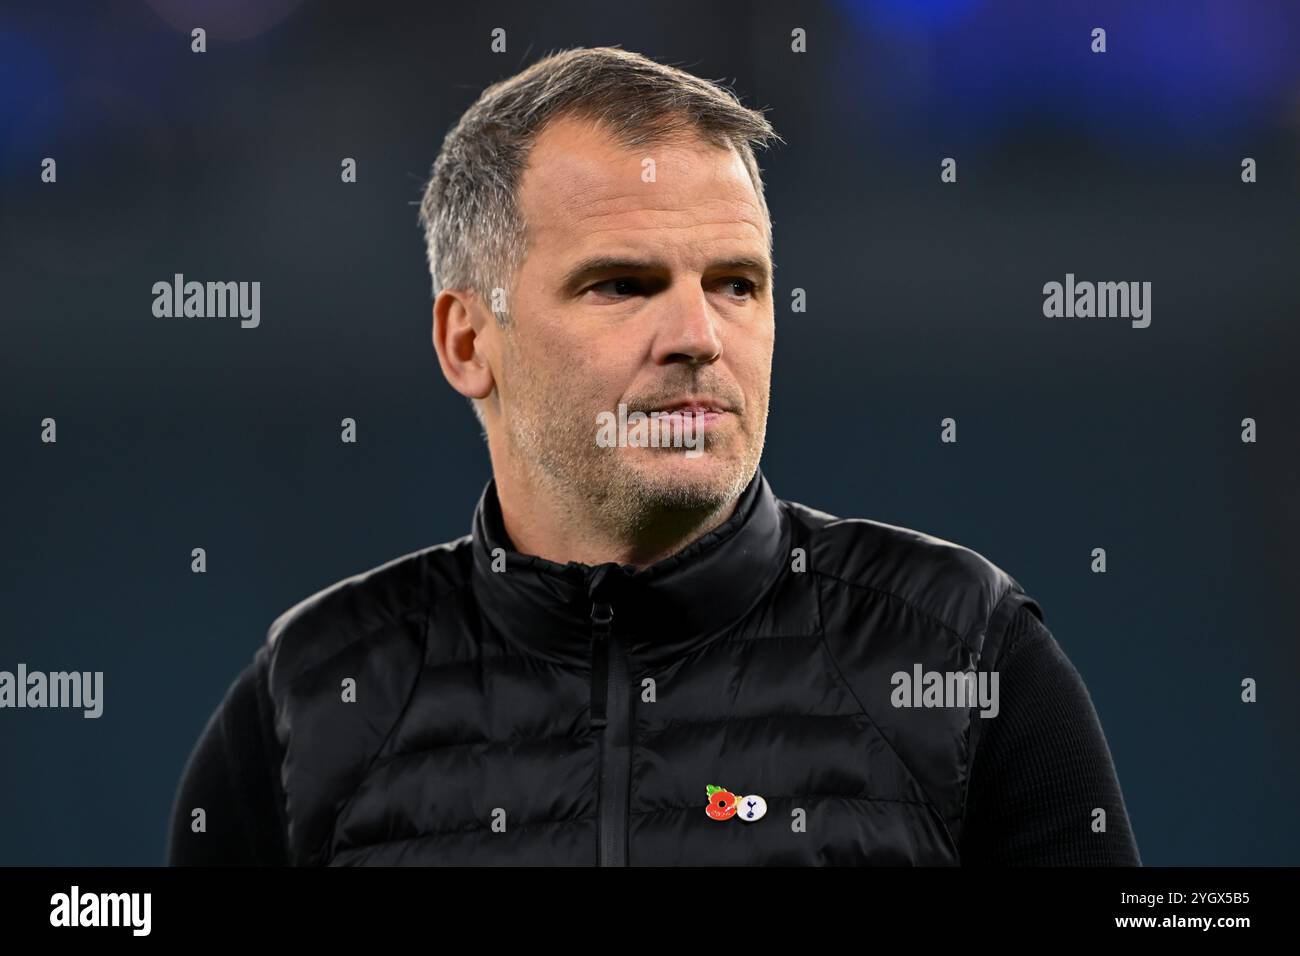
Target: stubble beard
[(605, 486)]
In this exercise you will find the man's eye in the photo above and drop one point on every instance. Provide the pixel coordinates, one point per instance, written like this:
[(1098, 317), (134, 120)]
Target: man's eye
[(740, 287), (616, 287), (736, 286)]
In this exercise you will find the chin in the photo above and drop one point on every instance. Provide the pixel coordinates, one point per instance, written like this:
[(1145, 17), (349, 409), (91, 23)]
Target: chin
[(700, 482)]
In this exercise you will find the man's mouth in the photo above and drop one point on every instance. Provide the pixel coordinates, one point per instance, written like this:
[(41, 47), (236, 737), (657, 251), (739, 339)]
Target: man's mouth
[(698, 412)]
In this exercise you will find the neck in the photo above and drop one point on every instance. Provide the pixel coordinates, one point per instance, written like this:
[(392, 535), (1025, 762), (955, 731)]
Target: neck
[(561, 528)]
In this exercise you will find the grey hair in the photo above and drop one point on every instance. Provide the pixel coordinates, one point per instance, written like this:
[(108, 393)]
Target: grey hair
[(475, 235)]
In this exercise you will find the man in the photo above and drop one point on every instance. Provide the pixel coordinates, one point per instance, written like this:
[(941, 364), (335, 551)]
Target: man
[(640, 655)]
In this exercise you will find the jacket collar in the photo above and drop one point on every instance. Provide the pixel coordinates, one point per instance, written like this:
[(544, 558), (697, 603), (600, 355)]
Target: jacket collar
[(661, 613)]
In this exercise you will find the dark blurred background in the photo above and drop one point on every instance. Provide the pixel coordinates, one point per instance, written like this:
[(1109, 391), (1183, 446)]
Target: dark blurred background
[(924, 301)]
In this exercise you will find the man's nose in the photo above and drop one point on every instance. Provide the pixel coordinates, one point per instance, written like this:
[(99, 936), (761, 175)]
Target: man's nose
[(687, 328)]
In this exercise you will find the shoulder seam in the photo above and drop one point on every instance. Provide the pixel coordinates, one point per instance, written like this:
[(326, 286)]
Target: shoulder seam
[(902, 600), (289, 683)]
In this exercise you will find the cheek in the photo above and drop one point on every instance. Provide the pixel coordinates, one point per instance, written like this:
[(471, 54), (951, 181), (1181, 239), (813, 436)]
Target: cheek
[(552, 364), (751, 354)]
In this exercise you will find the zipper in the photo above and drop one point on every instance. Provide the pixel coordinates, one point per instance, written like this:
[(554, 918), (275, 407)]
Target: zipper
[(610, 716)]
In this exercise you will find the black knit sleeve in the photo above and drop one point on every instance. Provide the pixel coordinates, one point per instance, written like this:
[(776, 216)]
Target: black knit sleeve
[(1042, 766), (232, 774)]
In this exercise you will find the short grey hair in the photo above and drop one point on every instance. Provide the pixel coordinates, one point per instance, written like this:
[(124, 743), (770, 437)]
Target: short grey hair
[(475, 235)]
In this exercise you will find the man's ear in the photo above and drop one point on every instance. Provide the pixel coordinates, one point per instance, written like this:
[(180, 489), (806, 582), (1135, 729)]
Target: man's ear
[(461, 332)]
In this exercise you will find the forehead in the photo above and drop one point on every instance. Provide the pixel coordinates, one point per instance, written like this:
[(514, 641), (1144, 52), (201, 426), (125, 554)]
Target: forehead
[(583, 188)]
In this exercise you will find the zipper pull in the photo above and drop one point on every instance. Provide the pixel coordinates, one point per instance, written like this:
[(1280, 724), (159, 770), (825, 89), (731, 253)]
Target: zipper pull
[(601, 617)]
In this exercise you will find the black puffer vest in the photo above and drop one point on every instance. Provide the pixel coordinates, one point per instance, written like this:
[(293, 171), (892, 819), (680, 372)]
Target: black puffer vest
[(510, 710)]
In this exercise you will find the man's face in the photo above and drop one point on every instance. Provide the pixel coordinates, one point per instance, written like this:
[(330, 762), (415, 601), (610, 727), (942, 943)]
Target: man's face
[(678, 314)]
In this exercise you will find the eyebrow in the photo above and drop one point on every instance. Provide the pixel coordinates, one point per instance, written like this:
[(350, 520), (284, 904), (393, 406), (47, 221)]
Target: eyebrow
[(600, 265)]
